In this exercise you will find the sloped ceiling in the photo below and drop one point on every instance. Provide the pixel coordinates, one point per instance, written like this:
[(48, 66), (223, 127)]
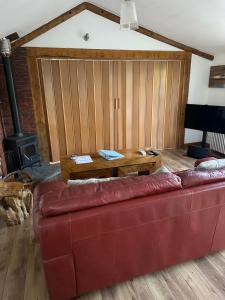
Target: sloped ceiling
[(199, 24)]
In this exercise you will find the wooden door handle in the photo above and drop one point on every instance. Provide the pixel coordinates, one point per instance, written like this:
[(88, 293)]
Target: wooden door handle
[(118, 103), (115, 103)]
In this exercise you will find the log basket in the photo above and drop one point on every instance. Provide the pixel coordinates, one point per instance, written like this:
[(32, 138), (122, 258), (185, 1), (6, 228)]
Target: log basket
[(16, 198), (20, 176)]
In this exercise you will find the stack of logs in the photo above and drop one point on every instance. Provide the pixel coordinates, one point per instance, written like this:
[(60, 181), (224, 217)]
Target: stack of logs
[(15, 202)]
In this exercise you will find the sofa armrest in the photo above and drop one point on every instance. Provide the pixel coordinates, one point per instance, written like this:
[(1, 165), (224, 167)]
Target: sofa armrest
[(58, 260)]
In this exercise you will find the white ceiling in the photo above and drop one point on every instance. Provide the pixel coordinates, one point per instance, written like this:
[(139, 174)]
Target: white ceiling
[(196, 23)]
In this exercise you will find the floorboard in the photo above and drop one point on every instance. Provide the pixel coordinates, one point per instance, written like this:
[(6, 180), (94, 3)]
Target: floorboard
[(22, 277)]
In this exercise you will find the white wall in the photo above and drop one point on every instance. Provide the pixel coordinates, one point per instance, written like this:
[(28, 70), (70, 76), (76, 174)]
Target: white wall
[(105, 34), (198, 91)]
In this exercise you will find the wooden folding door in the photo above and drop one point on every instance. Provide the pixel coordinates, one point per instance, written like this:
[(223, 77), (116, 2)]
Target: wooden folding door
[(111, 104), (148, 103)]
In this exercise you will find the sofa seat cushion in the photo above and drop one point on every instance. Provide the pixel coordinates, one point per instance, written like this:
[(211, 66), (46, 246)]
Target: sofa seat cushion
[(191, 178), (84, 197)]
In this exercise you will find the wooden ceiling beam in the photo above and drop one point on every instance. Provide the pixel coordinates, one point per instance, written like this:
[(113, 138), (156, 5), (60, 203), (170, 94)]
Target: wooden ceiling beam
[(110, 16)]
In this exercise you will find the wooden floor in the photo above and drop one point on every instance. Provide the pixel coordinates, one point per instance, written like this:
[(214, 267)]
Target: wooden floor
[(21, 273)]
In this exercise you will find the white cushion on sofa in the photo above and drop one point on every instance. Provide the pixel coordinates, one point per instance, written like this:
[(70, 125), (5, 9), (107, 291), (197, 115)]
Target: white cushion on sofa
[(91, 180), (211, 164), (162, 169)]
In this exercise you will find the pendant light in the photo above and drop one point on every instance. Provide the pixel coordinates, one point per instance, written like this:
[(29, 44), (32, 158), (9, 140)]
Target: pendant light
[(128, 15)]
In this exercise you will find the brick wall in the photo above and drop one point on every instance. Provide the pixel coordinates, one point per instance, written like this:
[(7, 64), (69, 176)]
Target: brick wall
[(24, 98)]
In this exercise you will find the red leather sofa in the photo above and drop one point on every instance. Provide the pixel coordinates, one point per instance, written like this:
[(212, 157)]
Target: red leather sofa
[(96, 235)]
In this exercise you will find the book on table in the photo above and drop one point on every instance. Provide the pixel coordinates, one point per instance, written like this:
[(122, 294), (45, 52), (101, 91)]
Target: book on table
[(110, 154), (82, 159)]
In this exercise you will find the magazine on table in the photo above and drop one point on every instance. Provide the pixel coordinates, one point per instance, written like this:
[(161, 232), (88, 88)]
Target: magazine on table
[(81, 159), (110, 154)]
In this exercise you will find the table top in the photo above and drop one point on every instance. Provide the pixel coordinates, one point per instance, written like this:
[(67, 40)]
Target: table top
[(131, 157)]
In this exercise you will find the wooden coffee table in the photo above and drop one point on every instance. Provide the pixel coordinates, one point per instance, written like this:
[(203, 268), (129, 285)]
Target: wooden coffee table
[(101, 168)]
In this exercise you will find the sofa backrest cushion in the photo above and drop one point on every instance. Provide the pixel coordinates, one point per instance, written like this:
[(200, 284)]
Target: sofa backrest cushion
[(84, 197), (191, 178)]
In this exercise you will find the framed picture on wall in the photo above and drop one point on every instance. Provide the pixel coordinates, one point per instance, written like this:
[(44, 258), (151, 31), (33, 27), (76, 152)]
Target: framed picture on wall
[(217, 77)]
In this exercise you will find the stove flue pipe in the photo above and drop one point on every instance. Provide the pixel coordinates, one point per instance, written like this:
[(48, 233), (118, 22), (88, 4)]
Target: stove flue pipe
[(5, 50)]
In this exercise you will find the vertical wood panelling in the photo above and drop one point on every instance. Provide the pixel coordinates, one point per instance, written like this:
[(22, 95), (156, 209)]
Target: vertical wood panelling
[(161, 114), (120, 101), (158, 104), (39, 101), (99, 104), (128, 107), (91, 105), (76, 105), (155, 105), (83, 103), (172, 104), (169, 111), (111, 115), (115, 93), (180, 132), (51, 110), (142, 103), (184, 86), (106, 103), (149, 101), (58, 94), (66, 108), (135, 88)]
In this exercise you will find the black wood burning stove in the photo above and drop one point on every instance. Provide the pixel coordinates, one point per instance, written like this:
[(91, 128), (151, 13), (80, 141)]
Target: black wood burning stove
[(21, 152), (21, 148)]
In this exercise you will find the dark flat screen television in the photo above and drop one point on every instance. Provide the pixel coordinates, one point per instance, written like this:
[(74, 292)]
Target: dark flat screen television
[(207, 118)]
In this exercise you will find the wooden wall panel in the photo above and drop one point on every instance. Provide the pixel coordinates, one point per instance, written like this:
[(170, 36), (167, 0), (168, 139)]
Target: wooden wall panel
[(161, 113), (98, 104), (75, 105), (58, 94), (106, 69), (111, 105), (65, 106), (172, 105), (149, 103), (184, 84), (128, 112), (107, 104), (135, 104), (120, 103), (142, 103), (51, 110), (91, 105), (83, 104), (155, 105), (142, 119), (114, 101)]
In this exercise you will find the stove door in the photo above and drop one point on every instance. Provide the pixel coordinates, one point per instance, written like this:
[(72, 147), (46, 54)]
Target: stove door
[(29, 154)]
